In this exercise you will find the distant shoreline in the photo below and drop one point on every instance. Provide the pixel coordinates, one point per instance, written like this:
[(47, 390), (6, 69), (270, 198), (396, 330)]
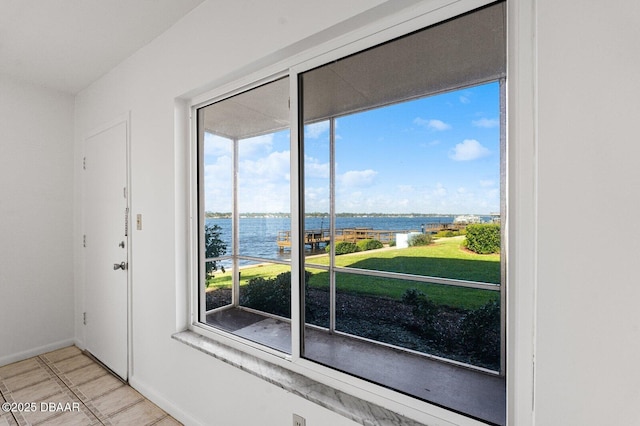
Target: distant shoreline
[(218, 215)]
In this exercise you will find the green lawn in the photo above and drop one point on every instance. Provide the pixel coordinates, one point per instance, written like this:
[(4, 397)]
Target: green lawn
[(445, 258), (223, 280)]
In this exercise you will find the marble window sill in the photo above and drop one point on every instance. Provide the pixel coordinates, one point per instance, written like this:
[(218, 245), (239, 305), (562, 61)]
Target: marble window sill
[(349, 406)]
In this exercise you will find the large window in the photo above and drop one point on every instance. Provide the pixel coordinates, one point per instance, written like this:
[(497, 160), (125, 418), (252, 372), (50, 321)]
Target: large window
[(391, 208)]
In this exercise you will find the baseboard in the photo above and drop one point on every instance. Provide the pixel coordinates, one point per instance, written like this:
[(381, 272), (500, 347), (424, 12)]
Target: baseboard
[(79, 344), (20, 356), (168, 406)]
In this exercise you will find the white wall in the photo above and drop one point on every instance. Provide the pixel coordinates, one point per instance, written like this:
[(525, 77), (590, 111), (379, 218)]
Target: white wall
[(209, 44), (588, 325), (36, 216), (583, 151)]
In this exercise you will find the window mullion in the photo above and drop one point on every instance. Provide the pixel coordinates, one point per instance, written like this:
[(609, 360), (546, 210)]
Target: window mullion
[(297, 219), (202, 278), (332, 224), (235, 226), (503, 223)]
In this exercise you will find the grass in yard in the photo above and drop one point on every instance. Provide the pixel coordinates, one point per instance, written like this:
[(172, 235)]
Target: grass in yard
[(446, 258), (268, 270), (455, 297)]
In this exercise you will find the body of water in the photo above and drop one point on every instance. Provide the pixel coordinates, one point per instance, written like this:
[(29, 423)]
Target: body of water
[(258, 235)]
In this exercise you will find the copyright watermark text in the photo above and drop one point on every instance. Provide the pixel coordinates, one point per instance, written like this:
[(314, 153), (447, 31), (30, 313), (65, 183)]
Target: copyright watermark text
[(32, 407)]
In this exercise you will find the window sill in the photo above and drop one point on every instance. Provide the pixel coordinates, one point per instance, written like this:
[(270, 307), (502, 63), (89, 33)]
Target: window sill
[(349, 406)]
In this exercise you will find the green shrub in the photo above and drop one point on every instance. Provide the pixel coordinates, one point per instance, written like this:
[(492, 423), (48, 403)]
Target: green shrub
[(475, 337), (420, 240), (447, 233), (480, 333), (214, 247), (343, 247), (424, 310), (483, 238), (364, 245), (271, 295)]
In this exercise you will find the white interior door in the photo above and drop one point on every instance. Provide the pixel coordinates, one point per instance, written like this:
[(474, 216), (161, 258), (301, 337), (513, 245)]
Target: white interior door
[(106, 247)]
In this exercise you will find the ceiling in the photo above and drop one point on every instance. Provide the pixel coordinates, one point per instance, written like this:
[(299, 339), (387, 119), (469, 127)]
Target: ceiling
[(461, 52), (68, 44)]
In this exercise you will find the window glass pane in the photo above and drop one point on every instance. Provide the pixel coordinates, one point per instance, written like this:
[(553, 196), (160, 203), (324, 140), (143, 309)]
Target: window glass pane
[(265, 298), (245, 201), (218, 290), (411, 176), (265, 295), (462, 324), (317, 194), (399, 340), (217, 169), (318, 298), (410, 137), (447, 56), (263, 194)]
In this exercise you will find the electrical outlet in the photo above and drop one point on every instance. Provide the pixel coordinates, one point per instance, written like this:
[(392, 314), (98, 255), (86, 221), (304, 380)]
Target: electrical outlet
[(298, 421)]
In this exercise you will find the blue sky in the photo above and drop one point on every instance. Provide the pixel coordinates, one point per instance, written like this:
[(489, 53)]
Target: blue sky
[(439, 154)]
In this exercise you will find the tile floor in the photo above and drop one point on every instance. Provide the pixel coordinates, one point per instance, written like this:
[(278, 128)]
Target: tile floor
[(66, 387)]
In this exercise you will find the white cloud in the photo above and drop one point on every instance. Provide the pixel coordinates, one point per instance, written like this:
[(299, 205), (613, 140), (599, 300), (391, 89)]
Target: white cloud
[(217, 145), (356, 178), (217, 185), (467, 150), (316, 199), (486, 122), (272, 197), (313, 168), (487, 183), (432, 124), (428, 144), (255, 145), (439, 190), (315, 130), (273, 167), (464, 100), (264, 184)]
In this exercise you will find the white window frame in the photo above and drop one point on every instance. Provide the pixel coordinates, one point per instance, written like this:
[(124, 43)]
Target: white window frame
[(386, 28), (197, 308)]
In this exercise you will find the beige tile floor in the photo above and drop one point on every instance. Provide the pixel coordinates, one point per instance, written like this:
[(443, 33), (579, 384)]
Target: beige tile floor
[(82, 393)]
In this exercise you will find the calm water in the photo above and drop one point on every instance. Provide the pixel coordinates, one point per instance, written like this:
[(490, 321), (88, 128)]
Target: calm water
[(258, 235)]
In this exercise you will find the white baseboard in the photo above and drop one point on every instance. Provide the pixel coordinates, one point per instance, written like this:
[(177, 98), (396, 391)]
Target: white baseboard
[(79, 344), (163, 403), (20, 356)]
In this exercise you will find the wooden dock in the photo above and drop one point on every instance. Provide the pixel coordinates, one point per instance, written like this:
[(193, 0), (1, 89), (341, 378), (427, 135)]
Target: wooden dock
[(316, 238)]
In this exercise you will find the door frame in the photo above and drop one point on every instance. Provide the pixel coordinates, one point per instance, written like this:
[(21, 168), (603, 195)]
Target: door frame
[(126, 120)]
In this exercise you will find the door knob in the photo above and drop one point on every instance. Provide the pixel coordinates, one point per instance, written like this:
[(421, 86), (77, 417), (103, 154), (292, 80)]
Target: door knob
[(121, 265)]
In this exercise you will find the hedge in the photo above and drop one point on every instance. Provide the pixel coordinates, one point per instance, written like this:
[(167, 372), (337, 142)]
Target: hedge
[(483, 238)]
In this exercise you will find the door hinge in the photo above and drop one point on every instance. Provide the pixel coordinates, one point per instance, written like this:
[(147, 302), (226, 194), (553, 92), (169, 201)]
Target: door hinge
[(84, 240), (84, 163), (84, 318), (124, 191)]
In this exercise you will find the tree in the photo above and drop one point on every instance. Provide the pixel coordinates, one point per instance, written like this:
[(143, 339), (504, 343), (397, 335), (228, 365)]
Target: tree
[(214, 247)]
